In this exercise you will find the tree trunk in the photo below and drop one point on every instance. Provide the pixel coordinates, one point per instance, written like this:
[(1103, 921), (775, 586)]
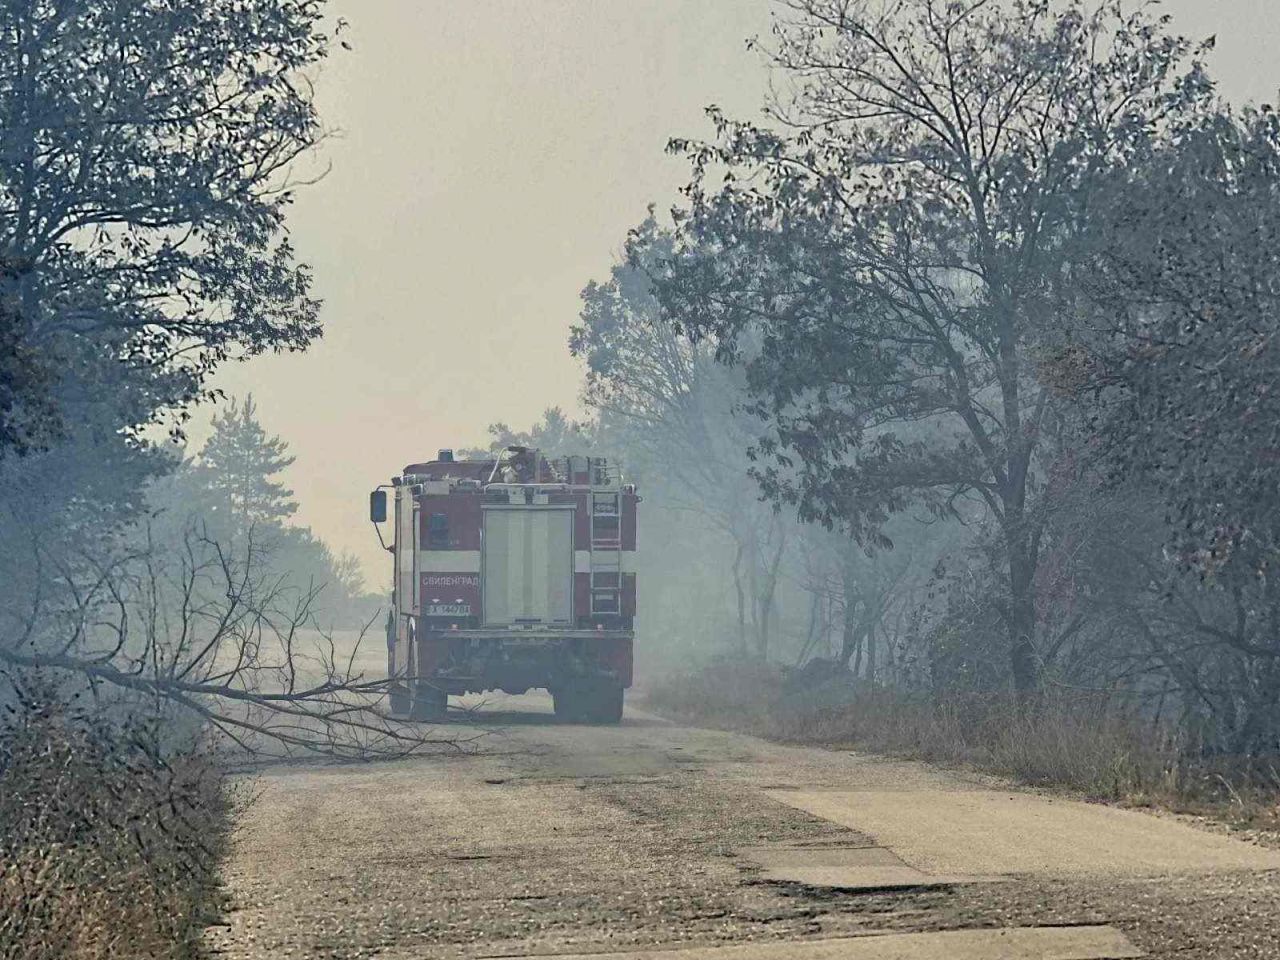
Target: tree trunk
[(871, 652), (742, 600), (828, 624), (758, 629), (768, 591), (811, 632), (849, 640), (1021, 549), (1023, 661)]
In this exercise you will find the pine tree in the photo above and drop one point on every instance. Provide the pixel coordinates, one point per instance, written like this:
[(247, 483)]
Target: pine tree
[(239, 465)]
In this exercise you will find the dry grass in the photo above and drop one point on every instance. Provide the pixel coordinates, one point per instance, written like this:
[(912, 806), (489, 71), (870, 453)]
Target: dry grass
[(109, 846), (1086, 745)]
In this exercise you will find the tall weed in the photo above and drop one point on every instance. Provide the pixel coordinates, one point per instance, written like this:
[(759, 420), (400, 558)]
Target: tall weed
[(1089, 744), (110, 841)]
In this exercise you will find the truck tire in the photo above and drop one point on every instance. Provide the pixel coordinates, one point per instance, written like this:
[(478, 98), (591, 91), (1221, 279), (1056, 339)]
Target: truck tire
[(398, 700), (566, 701), (588, 701), (430, 704), (606, 704)]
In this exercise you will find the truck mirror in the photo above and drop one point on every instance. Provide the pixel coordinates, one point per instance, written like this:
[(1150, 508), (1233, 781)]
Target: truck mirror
[(378, 506)]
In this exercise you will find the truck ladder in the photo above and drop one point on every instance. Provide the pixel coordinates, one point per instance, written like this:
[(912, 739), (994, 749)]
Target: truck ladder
[(606, 552)]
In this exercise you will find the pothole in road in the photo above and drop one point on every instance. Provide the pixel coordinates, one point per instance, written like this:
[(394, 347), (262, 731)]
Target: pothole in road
[(464, 857), (857, 869)]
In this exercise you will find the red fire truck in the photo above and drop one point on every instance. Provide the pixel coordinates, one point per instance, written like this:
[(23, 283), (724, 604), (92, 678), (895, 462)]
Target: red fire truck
[(511, 573)]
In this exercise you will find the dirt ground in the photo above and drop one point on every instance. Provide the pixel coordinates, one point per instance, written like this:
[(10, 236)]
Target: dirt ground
[(559, 839)]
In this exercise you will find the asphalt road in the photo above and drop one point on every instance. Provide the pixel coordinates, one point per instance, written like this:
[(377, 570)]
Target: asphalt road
[(575, 840)]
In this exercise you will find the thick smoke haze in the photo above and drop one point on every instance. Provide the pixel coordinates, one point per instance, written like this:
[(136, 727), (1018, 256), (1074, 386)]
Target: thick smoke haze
[(487, 160), (861, 526)]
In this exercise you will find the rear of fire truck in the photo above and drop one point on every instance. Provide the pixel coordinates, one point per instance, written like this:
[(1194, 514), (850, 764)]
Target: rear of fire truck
[(511, 574)]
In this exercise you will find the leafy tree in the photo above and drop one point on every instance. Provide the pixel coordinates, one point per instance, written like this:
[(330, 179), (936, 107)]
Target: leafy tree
[(145, 150), (885, 258), (664, 399), (348, 574), (1178, 379), (145, 159), (555, 435), (1184, 364), (25, 420), (240, 463), (233, 493)]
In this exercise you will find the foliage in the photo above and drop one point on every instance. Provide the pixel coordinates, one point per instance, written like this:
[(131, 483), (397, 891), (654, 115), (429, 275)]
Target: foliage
[(26, 420), (665, 402), (145, 173), (232, 492), (238, 467), (1085, 742), (555, 435), (212, 609), (662, 391), (146, 152), (111, 834), (1169, 379), (885, 257), (1187, 354)]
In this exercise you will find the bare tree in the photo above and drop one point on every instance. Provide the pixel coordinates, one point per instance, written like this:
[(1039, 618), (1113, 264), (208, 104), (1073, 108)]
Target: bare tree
[(677, 410), (197, 632)]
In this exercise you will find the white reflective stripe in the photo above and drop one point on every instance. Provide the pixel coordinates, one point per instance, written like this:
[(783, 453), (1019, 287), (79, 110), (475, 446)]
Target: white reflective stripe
[(606, 561), (406, 543), (468, 561), (400, 653), (448, 561)]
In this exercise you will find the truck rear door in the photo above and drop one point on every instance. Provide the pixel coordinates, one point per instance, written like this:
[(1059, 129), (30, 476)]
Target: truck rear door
[(527, 564)]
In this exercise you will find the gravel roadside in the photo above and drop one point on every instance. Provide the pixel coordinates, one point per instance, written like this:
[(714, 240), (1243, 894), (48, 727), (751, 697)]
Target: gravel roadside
[(575, 839)]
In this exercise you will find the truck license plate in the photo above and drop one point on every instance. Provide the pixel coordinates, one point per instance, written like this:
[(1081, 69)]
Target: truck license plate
[(448, 610)]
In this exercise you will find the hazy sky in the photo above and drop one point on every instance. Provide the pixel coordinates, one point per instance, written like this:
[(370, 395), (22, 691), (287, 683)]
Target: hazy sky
[(488, 159)]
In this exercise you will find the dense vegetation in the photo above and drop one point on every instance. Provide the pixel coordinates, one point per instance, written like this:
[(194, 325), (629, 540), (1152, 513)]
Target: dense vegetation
[(112, 830), (157, 610), (985, 308)]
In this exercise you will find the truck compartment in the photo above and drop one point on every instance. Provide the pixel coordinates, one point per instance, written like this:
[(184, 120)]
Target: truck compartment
[(527, 564)]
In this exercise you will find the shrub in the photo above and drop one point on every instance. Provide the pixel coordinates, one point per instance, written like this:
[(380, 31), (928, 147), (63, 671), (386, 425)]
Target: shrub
[(1088, 743), (110, 839), (734, 693)]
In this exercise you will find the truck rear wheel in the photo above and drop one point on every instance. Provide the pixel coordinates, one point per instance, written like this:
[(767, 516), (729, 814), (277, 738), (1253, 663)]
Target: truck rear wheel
[(398, 695), (588, 701), (565, 702), (430, 704), (608, 704)]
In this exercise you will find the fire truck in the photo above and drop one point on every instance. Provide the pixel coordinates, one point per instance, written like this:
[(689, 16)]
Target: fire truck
[(510, 573)]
